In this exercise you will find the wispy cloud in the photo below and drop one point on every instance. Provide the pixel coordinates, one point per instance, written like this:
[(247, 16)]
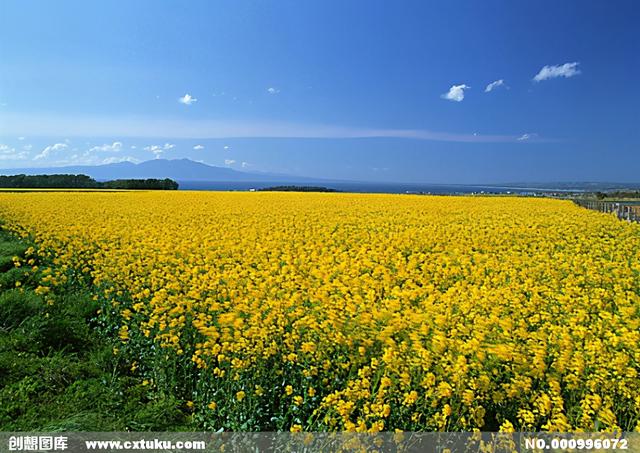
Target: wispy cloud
[(158, 128), (229, 161), (10, 153), (187, 99), (115, 147), (198, 147), (50, 150), (117, 160), (157, 150), (551, 72), (246, 165), (493, 85), (527, 136), (89, 158), (455, 93), (273, 90)]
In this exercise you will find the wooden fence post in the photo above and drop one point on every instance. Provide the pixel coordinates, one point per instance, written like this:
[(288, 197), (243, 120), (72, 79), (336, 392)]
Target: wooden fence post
[(630, 213)]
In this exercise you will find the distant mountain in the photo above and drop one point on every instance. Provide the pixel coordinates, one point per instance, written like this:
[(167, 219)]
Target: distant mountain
[(176, 169), (196, 174)]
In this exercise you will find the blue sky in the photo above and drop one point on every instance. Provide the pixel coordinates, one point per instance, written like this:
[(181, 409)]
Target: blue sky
[(364, 90)]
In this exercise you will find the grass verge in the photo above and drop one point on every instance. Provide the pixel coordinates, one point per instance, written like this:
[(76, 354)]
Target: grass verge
[(58, 370)]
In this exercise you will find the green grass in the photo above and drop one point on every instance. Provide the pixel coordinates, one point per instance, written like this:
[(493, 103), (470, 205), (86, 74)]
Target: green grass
[(58, 371)]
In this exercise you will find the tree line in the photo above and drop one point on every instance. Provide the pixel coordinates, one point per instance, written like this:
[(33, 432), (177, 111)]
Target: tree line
[(82, 182), (617, 194)]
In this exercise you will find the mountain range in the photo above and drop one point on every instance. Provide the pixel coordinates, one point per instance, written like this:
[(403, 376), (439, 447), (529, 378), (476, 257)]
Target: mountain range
[(198, 173), (176, 169)]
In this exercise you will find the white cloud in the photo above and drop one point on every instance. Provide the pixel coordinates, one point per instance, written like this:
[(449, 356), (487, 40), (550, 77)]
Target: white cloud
[(187, 99), (273, 90), (17, 156), (20, 138), (27, 147), (551, 72), (198, 147), (112, 148), (246, 164), (159, 149), (527, 136), (156, 151), (9, 153), (456, 93), (50, 149), (229, 161), (117, 160), (225, 147), (493, 85), (165, 147)]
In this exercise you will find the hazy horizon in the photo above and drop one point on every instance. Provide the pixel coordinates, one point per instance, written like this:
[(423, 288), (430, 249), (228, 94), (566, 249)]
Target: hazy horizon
[(280, 178)]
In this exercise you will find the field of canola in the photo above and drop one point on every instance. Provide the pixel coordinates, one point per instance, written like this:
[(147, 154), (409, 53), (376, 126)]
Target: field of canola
[(359, 312)]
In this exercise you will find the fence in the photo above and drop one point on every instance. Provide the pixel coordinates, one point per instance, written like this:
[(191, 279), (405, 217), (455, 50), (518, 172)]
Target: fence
[(624, 211)]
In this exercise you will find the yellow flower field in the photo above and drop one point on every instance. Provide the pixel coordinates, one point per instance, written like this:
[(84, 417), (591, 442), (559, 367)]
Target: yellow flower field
[(359, 312)]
